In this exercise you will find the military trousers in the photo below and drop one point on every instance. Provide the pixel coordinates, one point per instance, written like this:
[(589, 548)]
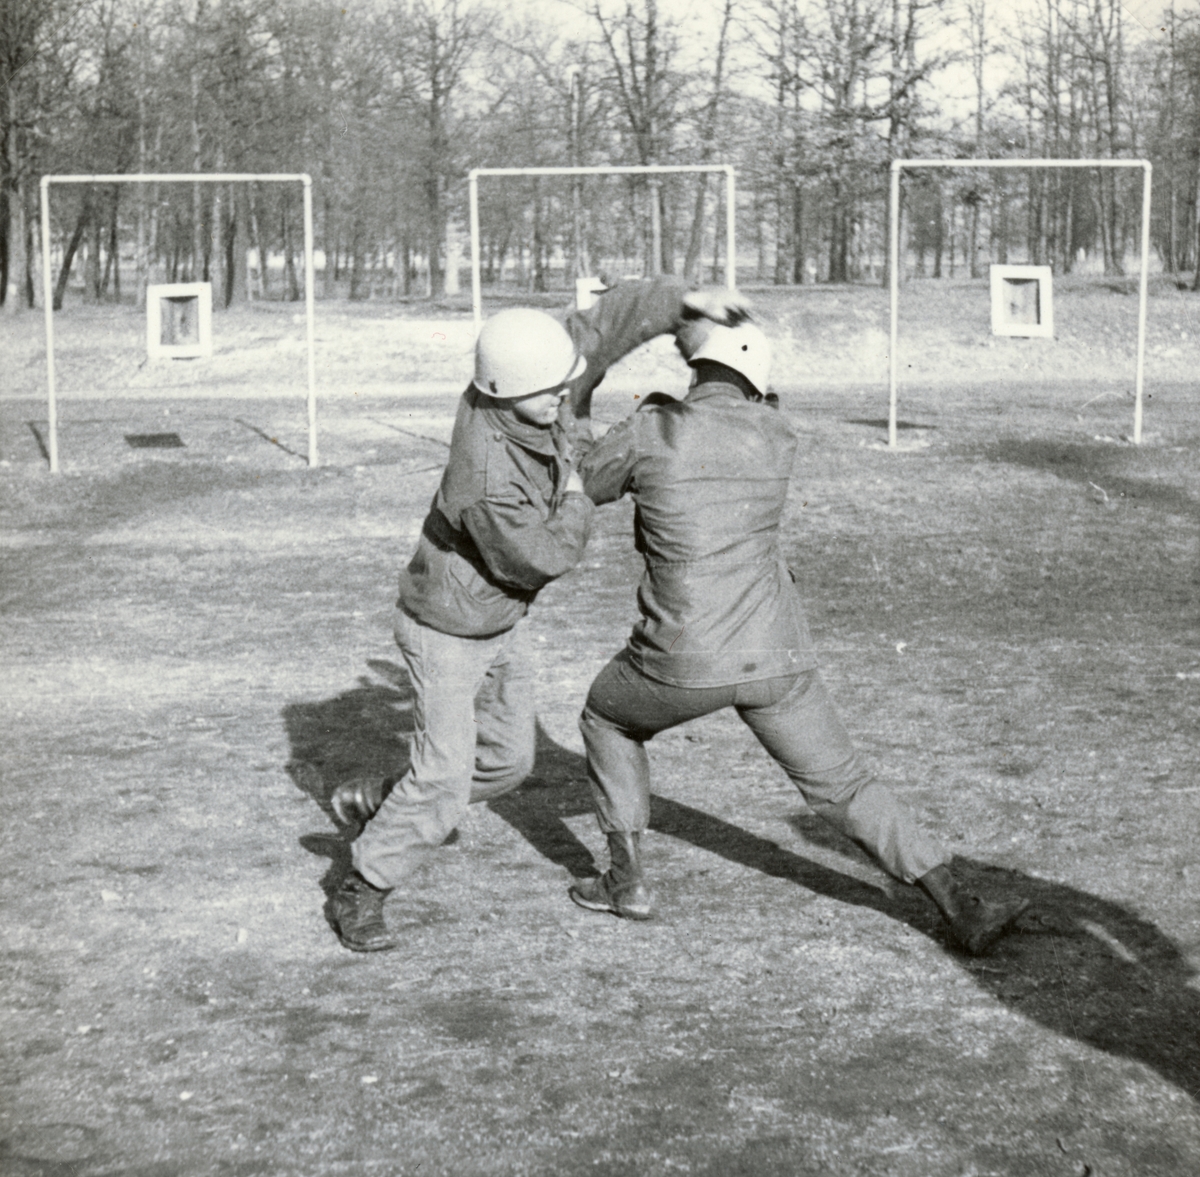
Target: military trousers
[(473, 739), (794, 720)]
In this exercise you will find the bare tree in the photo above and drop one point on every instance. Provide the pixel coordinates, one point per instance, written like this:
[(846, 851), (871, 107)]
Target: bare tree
[(436, 42), (35, 74), (640, 47), (708, 123)]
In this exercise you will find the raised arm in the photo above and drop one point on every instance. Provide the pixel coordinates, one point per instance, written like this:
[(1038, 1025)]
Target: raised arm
[(626, 316)]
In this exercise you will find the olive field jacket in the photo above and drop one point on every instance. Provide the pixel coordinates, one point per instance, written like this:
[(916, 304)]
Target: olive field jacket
[(709, 479), (501, 524)]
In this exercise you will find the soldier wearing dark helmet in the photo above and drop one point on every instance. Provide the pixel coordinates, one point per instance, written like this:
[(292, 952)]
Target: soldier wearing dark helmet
[(509, 516), (722, 626)]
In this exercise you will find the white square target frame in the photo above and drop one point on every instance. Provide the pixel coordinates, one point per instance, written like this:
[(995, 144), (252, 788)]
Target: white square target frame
[(179, 178), (1006, 282), (156, 295)]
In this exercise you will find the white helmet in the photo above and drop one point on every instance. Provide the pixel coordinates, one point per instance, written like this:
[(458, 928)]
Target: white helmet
[(743, 348), (522, 351)]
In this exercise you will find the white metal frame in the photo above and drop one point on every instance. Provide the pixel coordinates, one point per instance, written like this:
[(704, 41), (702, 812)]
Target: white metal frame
[(630, 170), (899, 165), (181, 178)]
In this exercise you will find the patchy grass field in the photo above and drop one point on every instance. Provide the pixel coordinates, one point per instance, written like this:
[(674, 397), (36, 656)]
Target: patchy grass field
[(196, 649)]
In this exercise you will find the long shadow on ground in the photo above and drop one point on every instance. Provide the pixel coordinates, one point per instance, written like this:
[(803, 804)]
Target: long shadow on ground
[(1085, 967), (1086, 463)]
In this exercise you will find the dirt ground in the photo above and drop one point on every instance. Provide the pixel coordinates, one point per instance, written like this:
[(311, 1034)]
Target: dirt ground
[(196, 649)]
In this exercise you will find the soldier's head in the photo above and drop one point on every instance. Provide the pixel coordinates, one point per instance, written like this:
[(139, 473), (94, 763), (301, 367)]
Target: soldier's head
[(525, 358), (713, 352)]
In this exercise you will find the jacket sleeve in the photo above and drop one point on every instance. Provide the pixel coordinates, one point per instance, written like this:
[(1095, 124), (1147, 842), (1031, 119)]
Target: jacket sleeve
[(520, 546), (608, 466), (624, 317)]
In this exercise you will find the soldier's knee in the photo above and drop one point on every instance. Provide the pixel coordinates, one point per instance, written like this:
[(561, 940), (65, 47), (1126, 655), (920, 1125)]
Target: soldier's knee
[(597, 731), (837, 786), (504, 778)]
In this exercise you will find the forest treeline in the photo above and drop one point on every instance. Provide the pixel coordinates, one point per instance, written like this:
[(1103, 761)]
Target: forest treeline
[(389, 103)]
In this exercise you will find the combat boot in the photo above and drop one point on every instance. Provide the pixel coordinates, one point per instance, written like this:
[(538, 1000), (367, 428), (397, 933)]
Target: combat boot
[(356, 913), (622, 888), (975, 924)]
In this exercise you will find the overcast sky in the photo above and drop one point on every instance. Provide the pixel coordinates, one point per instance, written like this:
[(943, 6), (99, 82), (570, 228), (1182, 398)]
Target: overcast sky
[(954, 86)]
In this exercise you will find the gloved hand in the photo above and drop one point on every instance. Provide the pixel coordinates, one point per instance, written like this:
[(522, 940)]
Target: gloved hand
[(354, 803), (727, 307)]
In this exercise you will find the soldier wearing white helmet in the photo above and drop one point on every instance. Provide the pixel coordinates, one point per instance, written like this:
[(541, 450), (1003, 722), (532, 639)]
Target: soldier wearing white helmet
[(509, 516), (722, 626)]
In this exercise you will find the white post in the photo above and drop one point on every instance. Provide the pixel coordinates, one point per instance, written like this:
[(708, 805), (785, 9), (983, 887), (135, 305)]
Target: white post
[(310, 278), (894, 286), (48, 298), (476, 287), (1142, 293), (730, 230)]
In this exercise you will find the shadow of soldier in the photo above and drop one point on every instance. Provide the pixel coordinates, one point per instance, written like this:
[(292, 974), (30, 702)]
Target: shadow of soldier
[(1085, 967), (359, 739)]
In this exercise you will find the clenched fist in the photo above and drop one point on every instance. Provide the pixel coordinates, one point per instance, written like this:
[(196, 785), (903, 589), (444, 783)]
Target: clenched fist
[(726, 307)]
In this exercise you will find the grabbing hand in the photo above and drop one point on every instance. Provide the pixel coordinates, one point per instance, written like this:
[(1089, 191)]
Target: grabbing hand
[(726, 307)]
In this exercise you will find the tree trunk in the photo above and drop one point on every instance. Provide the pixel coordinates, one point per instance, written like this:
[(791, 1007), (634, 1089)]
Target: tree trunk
[(140, 260), (1196, 234), (327, 232), (953, 243), (1068, 247), (64, 273), (19, 293), (655, 266), (106, 235), (435, 195), (176, 248), (291, 286), (939, 234), (780, 275), (199, 268), (358, 261), (798, 243), (1002, 231), (91, 272), (539, 245), (258, 288), (839, 235), (691, 257), (973, 244), (237, 238), (1099, 207), (220, 238), (152, 237), (112, 264), (717, 235)]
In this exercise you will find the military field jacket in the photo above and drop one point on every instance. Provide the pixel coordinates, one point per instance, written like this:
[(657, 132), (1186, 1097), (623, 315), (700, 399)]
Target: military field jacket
[(502, 524), (709, 478)]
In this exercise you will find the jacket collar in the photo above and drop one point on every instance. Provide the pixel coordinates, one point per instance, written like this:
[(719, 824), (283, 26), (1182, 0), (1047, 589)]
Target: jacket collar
[(714, 388), (499, 417)]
